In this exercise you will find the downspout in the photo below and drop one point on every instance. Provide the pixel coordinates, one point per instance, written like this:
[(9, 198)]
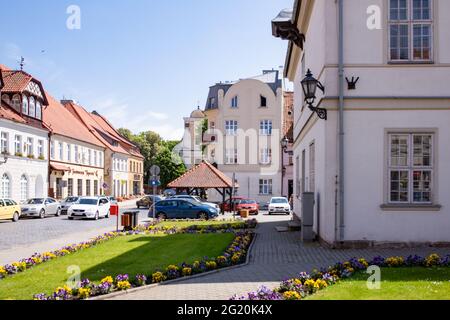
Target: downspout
[(341, 121)]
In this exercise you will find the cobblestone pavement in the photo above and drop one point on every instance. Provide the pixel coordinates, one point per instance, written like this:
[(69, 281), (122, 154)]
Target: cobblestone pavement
[(274, 257), (25, 237)]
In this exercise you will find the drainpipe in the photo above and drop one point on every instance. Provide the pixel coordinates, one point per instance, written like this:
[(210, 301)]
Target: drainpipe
[(341, 121)]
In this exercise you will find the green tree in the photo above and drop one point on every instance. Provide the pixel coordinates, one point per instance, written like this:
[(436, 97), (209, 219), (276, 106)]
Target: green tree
[(170, 164)]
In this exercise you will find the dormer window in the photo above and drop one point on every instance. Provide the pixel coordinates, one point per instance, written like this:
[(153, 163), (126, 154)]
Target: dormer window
[(24, 104), (234, 102), (38, 110), (263, 103), (16, 102), (212, 103), (32, 108)]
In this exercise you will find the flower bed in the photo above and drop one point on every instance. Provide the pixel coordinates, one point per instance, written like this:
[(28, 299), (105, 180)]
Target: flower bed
[(234, 254), (151, 228), (309, 283)]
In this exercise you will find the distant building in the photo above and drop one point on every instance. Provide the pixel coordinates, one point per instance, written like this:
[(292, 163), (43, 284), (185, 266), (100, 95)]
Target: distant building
[(23, 136), (190, 147)]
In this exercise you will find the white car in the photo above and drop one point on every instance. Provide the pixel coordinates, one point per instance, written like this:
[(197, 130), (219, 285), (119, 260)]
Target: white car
[(40, 208), (279, 205), (90, 207)]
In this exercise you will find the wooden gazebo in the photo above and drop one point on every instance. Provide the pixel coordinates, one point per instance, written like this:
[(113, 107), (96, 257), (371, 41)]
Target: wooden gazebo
[(205, 176)]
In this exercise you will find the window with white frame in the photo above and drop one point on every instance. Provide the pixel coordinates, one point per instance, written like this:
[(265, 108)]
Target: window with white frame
[(52, 149), (61, 151), (265, 127), (95, 158), (23, 188), (312, 167), (231, 156), (41, 148), (24, 104), (265, 155), (231, 127), (5, 184), (265, 186), (32, 108), (410, 30), (30, 146), (234, 102), (77, 155), (69, 152), (4, 142), (410, 168), (263, 102), (16, 102), (18, 144), (38, 110), (90, 157), (101, 159)]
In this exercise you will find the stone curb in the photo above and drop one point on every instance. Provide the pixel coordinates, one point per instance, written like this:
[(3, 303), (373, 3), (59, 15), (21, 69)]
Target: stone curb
[(124, 293)]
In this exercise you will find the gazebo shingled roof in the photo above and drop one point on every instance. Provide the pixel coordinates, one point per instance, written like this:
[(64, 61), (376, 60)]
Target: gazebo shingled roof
[(203, 176)]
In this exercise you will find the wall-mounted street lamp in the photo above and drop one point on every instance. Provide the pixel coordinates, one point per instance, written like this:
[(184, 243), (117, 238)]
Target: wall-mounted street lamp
[(310, 85)]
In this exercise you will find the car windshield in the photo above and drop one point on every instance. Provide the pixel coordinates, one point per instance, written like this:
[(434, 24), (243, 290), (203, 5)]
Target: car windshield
[(247, 202), (279, 200), (71, 199), (91, 202), (35, 201)]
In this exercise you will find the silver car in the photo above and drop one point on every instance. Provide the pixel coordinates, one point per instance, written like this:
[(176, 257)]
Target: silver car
[(67, 203), (40, 208)]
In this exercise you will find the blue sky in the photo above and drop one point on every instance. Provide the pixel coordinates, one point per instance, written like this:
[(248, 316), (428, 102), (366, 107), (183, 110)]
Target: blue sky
[(145, 64)]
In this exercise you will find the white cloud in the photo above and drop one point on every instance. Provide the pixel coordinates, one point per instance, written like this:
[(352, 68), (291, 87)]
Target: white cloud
[(120, 114)]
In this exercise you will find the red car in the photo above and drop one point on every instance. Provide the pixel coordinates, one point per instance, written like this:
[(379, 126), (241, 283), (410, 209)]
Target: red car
[(226, 205), (247, 204)]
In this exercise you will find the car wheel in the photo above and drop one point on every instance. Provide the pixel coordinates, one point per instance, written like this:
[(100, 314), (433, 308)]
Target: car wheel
[(202, 216), (58, 212), (161, 216), (70, 218), (42, 214), (96, 216), (108, 214), (138, 206), (256, 213), (15, 217)]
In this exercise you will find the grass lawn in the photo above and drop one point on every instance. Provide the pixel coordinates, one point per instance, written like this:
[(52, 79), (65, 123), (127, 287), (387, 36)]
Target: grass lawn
[(396, 284), (184, 224), (130, 254)]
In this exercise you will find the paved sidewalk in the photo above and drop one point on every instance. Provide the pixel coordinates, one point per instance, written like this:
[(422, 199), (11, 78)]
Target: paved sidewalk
[(274, 257)]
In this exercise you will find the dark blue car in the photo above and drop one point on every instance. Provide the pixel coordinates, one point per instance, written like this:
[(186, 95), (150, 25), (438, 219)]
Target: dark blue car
[(184, 209)]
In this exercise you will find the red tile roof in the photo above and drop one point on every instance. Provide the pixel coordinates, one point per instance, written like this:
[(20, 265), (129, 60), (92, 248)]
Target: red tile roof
[(63, 122), (8, 113), (204, 175), (87, 119)]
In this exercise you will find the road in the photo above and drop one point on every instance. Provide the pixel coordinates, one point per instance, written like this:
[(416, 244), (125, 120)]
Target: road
[(27, 236)]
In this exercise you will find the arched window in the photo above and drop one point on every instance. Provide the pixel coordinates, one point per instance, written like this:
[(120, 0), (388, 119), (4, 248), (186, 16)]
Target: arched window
[(5, 184), (5, 98), (32, 110), (25, 104), (38, 110), (23, 188), (16, 102)]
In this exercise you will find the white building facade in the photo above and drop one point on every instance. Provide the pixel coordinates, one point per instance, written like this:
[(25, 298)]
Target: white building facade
[(387, 180), (245, 120)]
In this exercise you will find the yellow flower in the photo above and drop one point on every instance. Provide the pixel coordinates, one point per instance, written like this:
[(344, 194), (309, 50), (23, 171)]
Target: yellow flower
[(292, 295), (172, 267), (364, 262), (108, 279), (320, 284), (432, 260), (158, 277), (187, 271), (123, 285), (394, 261), (84, 293)]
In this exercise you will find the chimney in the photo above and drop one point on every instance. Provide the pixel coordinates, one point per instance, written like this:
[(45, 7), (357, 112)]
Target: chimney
[(67, 101)]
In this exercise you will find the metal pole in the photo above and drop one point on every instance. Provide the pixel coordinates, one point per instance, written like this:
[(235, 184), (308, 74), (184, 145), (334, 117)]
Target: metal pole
[(154, 194), (232, 194), (341, 121)]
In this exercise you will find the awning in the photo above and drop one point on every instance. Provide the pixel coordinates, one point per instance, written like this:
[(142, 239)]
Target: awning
[(58, 167)]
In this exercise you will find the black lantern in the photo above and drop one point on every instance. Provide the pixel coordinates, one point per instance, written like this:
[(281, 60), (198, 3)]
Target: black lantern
[(310, 85), (285, 143)]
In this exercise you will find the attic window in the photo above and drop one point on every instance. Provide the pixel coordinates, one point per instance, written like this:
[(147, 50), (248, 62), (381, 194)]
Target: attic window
[(263, 101), (212, 102)]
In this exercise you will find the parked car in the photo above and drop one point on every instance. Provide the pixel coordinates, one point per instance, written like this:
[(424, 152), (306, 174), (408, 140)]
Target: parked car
[(67, 203), (184, 209), (148, 201), (91, 208), (226, 205), (40, 208), (247, 204), (279, 205), (9, 210), (112, 199), (197, 199)]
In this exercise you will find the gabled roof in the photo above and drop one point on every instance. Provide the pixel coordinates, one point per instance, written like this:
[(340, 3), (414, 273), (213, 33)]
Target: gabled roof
[(204, 175), (86, 118), (61, 121), (1, 81), (16, 81)]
